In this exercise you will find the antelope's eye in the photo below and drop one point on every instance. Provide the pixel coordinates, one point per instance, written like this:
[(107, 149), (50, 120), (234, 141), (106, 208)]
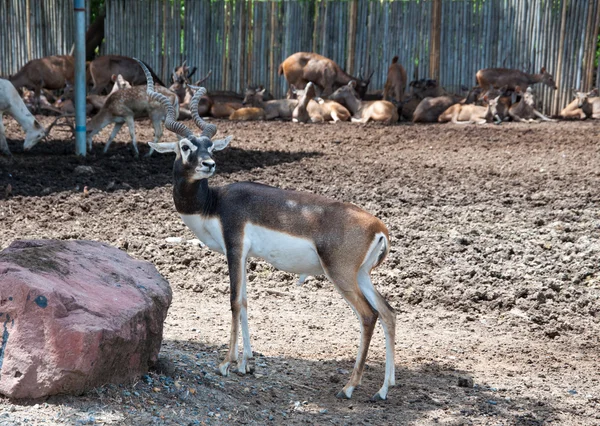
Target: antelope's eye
[(185, 148)]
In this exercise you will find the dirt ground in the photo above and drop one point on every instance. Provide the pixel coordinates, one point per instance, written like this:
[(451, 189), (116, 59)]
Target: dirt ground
[(494, 273)]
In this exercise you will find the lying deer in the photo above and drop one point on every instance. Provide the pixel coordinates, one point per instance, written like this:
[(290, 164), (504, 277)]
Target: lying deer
[(12, 104), (430, 109), (363, 111), (297, 232), (583, 106), (524, 110), (396, 82), (471, 113), (279, 108), (124, 106), (499, 77), (316, 110), (248, 114)]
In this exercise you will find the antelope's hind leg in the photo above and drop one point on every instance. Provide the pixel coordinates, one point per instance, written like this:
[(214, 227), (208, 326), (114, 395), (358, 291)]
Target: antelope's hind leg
[(346, 283), (387, 317)]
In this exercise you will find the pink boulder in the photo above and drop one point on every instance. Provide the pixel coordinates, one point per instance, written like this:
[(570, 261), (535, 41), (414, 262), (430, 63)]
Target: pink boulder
[(75, 315)]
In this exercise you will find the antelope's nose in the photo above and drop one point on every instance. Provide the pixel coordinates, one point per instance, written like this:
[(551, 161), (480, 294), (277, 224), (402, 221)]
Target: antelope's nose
[(209, 164)]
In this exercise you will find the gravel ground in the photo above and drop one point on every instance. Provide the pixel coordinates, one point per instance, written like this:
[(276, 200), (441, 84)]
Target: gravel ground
[(493, 272)]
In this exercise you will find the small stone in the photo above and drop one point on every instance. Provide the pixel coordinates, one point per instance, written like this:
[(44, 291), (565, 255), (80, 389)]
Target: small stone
[(465, 382), (174, 240), (83, 170), (323, 411)]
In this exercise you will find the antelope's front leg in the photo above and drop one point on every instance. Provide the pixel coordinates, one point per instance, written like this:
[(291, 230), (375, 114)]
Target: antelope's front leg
[(237, 276)]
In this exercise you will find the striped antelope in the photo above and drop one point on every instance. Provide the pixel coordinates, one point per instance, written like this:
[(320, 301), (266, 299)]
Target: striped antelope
[(297, 232)]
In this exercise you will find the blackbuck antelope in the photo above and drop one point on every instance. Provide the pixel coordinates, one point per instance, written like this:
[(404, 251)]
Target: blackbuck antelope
[(296, 232), (12, 104)]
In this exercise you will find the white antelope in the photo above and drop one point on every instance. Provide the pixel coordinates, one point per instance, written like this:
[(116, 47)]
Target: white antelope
[(12, 104), (297, 232)]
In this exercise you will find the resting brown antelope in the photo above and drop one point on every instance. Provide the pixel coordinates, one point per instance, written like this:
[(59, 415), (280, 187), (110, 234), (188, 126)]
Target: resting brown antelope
[(12, 104), (585, 105), (50, 72), (395, 83), (499, 77), (302, 67), (297, 232), (278, 108), (317, 110), (472, 114), (124, 106), (363, 111), (524, 110), (430, 109), (102, 68), (248, 114)]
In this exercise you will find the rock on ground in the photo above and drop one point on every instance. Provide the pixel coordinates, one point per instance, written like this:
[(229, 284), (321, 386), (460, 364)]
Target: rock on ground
[(75, 315)]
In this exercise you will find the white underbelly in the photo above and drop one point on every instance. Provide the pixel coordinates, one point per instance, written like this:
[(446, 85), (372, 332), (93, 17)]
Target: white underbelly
[(207, 230), (285, 252)]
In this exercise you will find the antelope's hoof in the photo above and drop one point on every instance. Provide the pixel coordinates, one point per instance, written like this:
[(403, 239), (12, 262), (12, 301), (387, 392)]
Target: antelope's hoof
[(377, 397), (246, 367), (342, 395), (224, 369)]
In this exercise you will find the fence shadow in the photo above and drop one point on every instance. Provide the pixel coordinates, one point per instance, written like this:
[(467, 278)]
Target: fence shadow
[(52, 167)]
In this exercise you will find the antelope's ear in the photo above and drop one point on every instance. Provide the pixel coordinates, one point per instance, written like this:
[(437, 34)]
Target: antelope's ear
[(113, 78), (352, 84), (164, 147), (220, 144), (543, 70)]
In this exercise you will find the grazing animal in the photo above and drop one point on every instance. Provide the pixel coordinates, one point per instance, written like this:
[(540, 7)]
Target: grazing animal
[(297, 232), (302, 67), (470, 113), (279, 108), (317, 110), (395, 83), (585, 105), (12, 104), (524, 110), (124, 106), (499, 77), (50, 72), (363, 111), (102, 68)]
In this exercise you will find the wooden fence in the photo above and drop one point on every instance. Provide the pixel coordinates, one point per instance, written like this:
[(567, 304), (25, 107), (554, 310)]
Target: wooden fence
[(244, 41)]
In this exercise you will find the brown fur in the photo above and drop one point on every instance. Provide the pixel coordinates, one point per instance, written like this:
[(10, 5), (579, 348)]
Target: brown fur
[(395, 83), (499, 77), (364, 111), (430, 109), (248, 114), (302, 67), (103, 67)]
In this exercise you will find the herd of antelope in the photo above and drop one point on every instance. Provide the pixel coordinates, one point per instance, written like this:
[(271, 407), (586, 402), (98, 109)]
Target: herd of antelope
[(319, 91)]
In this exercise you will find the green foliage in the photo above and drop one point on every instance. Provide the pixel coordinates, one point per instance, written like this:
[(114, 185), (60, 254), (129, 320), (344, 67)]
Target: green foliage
[(96, 7)]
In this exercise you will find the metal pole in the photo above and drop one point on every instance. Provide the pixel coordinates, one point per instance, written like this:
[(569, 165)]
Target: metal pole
[(80, 130)]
